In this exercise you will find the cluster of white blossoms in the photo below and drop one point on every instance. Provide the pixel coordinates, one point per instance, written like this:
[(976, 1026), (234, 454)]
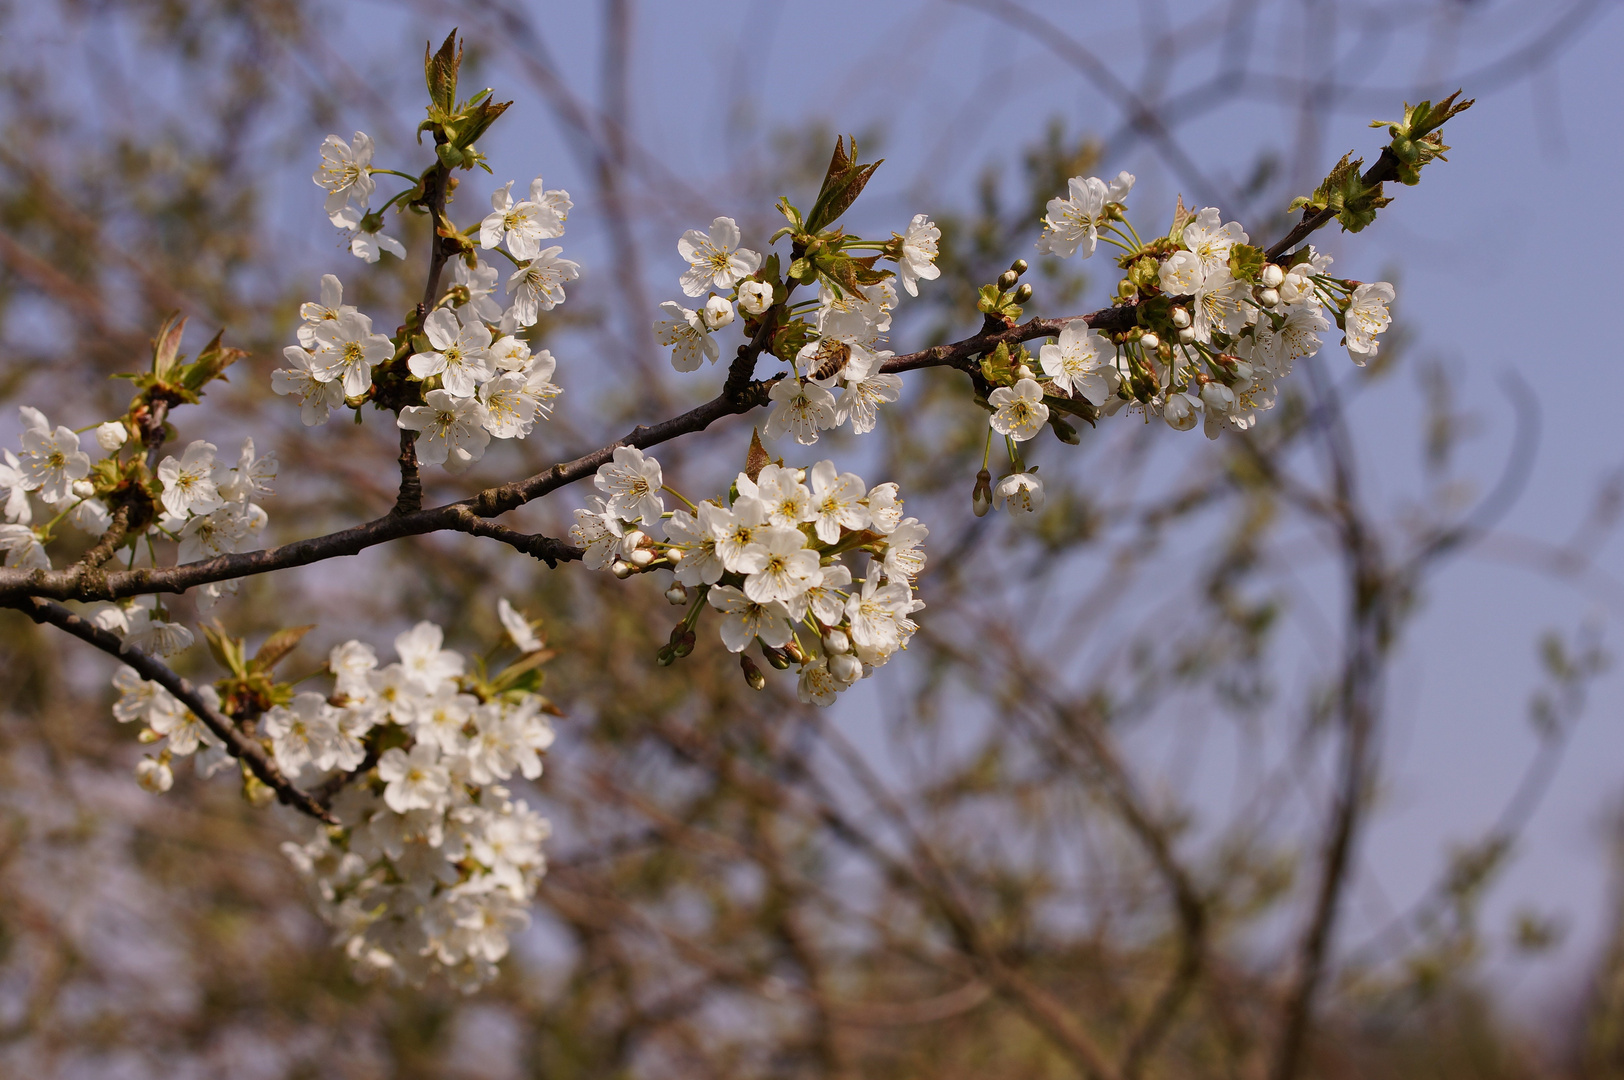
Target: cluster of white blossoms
[(843, 327), (477, 384), (1219, 325), (771, 562), (433, 862), (345, 173), (207, 505)]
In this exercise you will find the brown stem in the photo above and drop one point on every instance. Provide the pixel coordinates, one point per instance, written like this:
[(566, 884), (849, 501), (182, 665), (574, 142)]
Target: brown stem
[(410, 499), (152, 669)]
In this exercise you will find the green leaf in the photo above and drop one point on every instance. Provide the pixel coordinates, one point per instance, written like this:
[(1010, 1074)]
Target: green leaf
[(166, 346), (278, 645), (210, 364), (440, 72), (227, 650), (1245, 261), (842, 183)]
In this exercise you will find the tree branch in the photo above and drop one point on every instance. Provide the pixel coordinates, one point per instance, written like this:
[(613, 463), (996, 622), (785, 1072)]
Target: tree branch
[(152, 669)]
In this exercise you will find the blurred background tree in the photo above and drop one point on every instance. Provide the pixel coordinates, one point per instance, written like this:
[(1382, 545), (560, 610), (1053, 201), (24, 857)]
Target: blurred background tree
[(1008, 856)]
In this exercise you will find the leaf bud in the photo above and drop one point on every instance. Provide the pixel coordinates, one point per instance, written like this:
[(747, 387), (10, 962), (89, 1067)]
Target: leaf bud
[(1180, 317), (1150, 342), (677, 594), (836, 642), (642, 557), (621, 569), (1019, 266), (1126, 289), (1007, 280), (1268, 297), (1023, 294), (1271, 276), (752, 674)]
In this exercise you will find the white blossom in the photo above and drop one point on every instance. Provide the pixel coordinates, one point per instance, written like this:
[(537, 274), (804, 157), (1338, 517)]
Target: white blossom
[(1366, 317), (462, 357), (836, 502), (779, 565), (632, 481), (518, 627), (188, 481), (51, 461), (345, 172), (14, 483), (348, 350), (522, 225), (480, 283), (23, 549), (860, 401), (1019, 492), (453, 429), (1019, 412), (1074, 222), (715, 259), (414, 781), (539, 285), (317, 395), (903, 557), (717, 313), (803, 409), (686, 330), (744, 620), (1211, 242), (425, 663), (918, 260), (755, 297), (1080, 362)]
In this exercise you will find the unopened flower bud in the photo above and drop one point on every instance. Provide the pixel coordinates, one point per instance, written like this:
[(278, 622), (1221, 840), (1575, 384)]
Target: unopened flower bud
[(1023, 372), (83, 489), (1018, 266), (1023, 294), (674, 555), (845, 667), (1268, 297), (775, 657), (792, 649), (981, 497), (1186, 335), (1150, 342), (677, 594), (642, 557), (633, 539), (666, 656), (621, 569), (111, 435), (836, 642), (1272, 276), (752, 674), (1007, 280), (755, 297), (154, 775), (1243, 371), (717, 312), (1180, 317), (685, 644)]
